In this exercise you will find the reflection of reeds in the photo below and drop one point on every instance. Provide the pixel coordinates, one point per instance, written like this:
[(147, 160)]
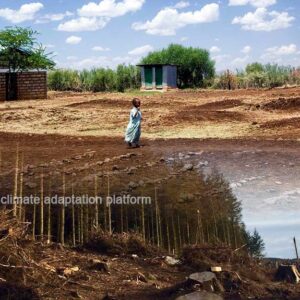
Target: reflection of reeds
[(109, 206), (15, 194), (49, 216), (21, 210), (96, 218), (73, 219), (62, 213), (42, 208), (169, 221), (34, 221)]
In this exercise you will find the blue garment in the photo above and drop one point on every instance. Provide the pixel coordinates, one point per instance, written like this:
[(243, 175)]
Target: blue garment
[(133, 131)]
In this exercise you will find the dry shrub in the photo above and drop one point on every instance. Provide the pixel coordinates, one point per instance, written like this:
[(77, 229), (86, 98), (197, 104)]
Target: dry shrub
[(120, 244), (21, 276), (202, 257)]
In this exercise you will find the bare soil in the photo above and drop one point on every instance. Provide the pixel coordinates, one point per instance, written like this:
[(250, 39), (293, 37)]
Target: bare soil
[(241, 114), (81, 134)]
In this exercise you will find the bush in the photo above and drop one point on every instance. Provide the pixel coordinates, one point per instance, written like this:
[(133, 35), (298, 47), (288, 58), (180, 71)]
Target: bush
[(95, 80), (120, 244)]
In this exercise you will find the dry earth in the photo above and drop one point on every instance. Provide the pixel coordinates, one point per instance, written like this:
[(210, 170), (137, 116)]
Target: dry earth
[(82, 135), (184, 114)]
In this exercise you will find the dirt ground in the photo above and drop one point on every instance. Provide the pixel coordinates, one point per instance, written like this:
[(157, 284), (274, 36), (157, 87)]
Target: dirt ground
[(81, 135), (268, 114)]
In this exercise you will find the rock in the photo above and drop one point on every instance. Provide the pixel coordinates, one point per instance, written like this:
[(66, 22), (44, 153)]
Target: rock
[(70, 271), (141, 183), (141, 277), (202, 164), (172, 261), (200, 295), (181, 155), (31, 185), (106, 160), (130, 170), (115, 168), (151, 277), (170, 159), (91, 154), (100, 163), (44, 165), (99, 265), (202, 277), (187, 167), (162, 159), (195, 153), (132, 185), (208, 281)]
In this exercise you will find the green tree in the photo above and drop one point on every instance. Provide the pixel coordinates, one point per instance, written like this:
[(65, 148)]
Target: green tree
[(255, 244), (20, 50), (194, 64)]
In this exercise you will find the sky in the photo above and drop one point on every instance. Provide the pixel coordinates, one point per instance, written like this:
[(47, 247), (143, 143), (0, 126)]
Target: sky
[(86, 34)]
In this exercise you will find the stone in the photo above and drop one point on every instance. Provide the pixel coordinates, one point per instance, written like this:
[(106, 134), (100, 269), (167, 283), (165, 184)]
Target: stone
[(202, 277), (99, 265), (152, 277), (202, 164), (187, 167), (132, 185), (181, 155), (70, 271), (171, 261), (31, 185), (200, 295), (141, 277)]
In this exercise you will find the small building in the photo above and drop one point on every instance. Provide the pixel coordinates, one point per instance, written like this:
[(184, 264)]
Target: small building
[(23, 85), (158, 76)]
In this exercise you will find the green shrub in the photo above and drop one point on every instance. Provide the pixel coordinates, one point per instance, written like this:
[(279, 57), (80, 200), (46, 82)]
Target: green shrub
[(95, 80)]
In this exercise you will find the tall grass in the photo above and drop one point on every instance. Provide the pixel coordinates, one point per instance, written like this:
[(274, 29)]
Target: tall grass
[(95, 80)]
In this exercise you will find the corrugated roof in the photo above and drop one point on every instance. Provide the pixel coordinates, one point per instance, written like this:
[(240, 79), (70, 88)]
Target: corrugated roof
[(154, 65)]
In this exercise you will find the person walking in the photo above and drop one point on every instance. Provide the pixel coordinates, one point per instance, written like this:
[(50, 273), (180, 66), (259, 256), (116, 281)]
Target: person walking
[(133, 131)]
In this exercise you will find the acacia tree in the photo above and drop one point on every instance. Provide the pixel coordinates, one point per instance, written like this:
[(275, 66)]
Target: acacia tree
[(19, 50), (194, 64)]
